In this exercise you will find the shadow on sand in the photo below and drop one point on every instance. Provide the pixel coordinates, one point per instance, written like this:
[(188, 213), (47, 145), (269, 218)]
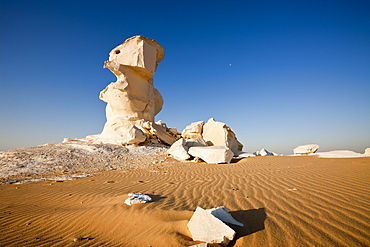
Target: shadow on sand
[(253, 220), (156, 198)]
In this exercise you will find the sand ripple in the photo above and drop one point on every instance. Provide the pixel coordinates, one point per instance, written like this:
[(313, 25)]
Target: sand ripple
[(282, 201)]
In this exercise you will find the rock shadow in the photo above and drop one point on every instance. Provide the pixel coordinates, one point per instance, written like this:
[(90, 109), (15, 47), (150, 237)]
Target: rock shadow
[(156, 198), (253, 220)]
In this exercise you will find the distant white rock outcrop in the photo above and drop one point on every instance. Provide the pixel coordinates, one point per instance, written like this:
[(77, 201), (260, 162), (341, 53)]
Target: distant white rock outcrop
[(340, 154), (264, 152), (306, 149)]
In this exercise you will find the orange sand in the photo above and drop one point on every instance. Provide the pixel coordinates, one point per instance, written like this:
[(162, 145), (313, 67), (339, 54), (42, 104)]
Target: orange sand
[(282, 201)]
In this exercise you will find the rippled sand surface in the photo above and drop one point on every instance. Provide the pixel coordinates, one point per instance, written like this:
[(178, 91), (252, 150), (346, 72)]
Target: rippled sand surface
[(282, 201)]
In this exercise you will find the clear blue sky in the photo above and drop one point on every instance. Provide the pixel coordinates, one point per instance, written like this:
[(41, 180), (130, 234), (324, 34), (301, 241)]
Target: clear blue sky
[(299, 74)]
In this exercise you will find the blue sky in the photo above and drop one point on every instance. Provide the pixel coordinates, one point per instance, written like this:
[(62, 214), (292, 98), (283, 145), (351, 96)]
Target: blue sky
[(299, 74)]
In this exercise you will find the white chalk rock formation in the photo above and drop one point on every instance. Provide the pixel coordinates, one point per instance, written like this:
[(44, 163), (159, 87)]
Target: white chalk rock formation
[(219, 134), (136, 198), (203, 226), (264, 152), (132, 101), (193, 130), (179, 150), (306, 149), (222, 214), (212, 154), (367, 152)]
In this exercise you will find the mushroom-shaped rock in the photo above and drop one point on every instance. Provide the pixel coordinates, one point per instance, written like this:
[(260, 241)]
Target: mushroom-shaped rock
[(132, 98), (306, 149), (203, 226), (212, 154)]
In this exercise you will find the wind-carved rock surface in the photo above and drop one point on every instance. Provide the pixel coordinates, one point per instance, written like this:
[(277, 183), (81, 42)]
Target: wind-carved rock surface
[(132, 101)]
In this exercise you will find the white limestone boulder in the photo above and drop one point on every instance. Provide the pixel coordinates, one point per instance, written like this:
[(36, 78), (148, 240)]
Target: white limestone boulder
[(193, 130), (179, 150), (219, 134), (306, 149), (222, 214), (367, 152), (212, 154), (205, 227)]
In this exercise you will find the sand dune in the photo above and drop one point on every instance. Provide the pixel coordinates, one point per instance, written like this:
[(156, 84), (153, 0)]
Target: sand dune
[(282, 201)]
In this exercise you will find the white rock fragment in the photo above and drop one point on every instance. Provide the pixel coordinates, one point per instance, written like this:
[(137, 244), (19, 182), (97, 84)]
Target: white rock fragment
[(203, 226), (367, 152), (162, 134), (306, 149), (179, 151), (212, 154), (222, 214), (293, 189), (245, 155), (136, 198), (264, 152)]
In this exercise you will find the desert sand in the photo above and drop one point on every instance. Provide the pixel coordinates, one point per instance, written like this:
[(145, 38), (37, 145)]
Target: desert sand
[(282, 201)]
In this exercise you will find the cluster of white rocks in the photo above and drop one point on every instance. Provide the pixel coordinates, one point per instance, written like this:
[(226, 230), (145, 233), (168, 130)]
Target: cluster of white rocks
[(213, 142)]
